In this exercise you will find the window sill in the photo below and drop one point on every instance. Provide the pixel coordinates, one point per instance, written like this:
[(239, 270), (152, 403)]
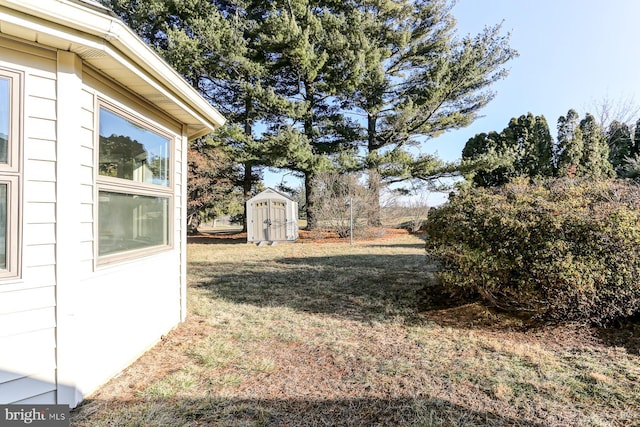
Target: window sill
[(121, 258)]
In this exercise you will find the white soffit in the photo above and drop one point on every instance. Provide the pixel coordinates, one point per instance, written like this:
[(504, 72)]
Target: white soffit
[(107, 44)]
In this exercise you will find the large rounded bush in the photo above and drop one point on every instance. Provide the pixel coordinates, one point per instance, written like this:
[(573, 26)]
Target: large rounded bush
[(561, 250)]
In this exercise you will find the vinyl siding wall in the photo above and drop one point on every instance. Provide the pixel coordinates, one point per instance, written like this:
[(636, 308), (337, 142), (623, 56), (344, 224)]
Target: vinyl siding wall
[(27, 304), (106, 316), (124, 308)]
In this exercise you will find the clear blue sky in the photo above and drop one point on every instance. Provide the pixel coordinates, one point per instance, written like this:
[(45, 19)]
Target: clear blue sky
[(573, 54)]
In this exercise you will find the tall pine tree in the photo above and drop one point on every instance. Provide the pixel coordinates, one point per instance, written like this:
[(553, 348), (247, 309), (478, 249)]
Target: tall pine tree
[(570, 145), (307, 69), (620, 145), (417, 81), (305, 41), (490, 162), (636, 139), (594, 162), (544, 146), (523, 148)]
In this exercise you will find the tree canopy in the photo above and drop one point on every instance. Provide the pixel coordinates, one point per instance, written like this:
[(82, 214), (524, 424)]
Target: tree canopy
[(526, 148), (523, 148), (417, 80), (313, 86)]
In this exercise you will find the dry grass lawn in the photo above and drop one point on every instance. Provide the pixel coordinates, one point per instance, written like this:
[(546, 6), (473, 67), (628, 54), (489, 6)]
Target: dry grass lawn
[(327, 334)]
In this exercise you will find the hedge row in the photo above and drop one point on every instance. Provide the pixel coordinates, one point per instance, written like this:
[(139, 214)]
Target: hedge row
[(563, 250)]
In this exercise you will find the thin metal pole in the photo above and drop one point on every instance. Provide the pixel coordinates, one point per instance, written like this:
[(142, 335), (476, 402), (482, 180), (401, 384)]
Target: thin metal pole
[(350, 221)]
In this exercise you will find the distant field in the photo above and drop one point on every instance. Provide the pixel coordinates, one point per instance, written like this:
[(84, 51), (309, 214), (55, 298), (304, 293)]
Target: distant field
[(302, 223), (332, 334)]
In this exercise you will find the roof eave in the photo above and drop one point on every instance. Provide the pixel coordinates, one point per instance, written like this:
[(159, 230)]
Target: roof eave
[(105, 42)]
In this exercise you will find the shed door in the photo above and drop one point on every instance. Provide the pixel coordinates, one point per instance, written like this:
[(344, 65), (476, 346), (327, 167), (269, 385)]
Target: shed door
[(269, 220)]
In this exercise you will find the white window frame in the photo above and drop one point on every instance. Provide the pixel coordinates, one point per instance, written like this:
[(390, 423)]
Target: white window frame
[(135, 188), (10, 175)]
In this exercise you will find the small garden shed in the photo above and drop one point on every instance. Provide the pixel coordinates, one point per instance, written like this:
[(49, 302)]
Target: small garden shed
[(94, 131), (272, 216)]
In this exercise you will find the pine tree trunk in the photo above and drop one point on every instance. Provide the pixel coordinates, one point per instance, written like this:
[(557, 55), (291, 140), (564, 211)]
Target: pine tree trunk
[(247, 180), (310, 200), (247, 184), (374, 217), (309, 184)]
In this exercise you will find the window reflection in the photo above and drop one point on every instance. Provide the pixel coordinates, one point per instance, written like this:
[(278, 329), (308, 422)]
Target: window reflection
[(128, 222), (5, 117), (131, 152), (3, 226)]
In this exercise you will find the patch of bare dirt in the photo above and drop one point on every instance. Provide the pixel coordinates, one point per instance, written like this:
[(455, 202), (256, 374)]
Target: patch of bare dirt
[(559, 337), (218, 237), (305, 236), (368, 235)]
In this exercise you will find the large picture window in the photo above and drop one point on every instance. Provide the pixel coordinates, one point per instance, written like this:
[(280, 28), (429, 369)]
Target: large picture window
[(129, 222), (131, 152), (5, 117), (3, 226), (134, 186), (10, 141)]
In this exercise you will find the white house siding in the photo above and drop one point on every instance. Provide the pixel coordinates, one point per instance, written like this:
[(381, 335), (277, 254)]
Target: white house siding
[(121, 309), (87, 188), (68, 324), (128, 308), (181, 219), (27, 304)]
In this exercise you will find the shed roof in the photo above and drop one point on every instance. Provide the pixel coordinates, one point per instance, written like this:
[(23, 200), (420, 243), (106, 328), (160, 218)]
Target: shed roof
[(269, 190), (103, 41)]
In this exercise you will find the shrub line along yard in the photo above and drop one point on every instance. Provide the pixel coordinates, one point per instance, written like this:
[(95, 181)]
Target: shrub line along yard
[(331, 334)]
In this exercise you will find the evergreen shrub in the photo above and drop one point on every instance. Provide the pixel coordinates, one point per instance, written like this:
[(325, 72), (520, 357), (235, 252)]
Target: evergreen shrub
[(562, 250)]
